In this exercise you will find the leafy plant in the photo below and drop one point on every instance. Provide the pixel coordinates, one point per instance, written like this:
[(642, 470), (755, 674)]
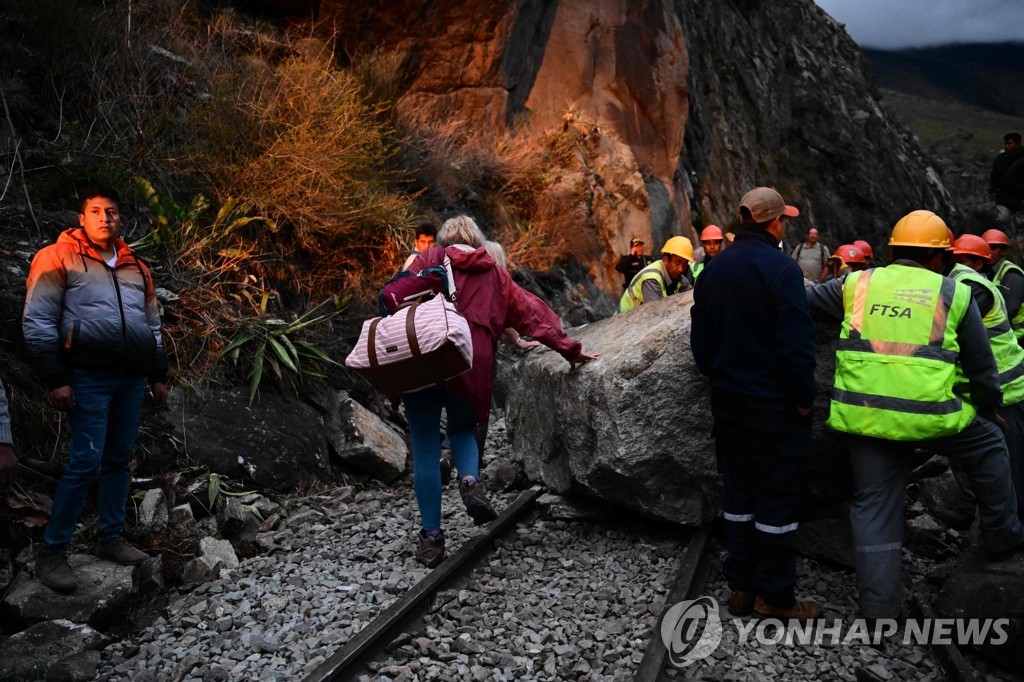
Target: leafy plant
[(275, 345)]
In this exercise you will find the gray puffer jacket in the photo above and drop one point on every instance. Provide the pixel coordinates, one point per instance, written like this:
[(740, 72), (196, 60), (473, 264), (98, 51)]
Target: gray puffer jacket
[(82, 313)]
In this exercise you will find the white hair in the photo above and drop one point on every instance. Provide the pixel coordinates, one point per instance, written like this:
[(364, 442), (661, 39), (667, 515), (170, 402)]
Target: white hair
[(497, 252), (460, 230)]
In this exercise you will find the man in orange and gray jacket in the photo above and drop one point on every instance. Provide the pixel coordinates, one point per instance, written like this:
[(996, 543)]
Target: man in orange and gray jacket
[(92, 327)]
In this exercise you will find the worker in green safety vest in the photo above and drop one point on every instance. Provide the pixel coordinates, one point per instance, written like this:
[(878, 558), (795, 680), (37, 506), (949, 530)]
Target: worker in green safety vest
[(907, 335), (972, 256), (662, 277), (1009, 277)]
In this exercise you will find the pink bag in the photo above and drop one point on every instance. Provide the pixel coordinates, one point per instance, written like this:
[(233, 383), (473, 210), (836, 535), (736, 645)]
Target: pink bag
[(422, 344)]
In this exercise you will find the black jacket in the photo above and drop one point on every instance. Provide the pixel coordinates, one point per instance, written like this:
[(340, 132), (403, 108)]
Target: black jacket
[(752, 332)]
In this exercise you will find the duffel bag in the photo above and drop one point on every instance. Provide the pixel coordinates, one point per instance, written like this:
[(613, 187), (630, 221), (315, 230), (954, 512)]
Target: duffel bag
[(422, 344)]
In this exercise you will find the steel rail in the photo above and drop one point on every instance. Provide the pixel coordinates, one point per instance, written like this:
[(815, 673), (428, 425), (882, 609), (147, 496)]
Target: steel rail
[(367, 642), (690, 581)]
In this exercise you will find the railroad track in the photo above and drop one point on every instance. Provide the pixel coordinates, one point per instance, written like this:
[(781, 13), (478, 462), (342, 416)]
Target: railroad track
[(350, 660), (405, 617)]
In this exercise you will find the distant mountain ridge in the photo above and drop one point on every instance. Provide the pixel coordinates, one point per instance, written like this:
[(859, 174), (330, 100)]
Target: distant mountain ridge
[(988, 75)]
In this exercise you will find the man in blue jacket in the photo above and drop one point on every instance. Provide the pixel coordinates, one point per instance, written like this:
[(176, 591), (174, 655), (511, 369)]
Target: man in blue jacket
[(753, 337)]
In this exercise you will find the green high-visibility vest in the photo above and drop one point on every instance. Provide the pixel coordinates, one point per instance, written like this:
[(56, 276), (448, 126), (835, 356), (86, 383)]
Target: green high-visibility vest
[(697, 268), (634, 294), (896, 361), (1009, 355), (1017, 321)]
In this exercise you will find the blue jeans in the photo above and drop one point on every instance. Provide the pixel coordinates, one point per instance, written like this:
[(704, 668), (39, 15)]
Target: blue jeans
[(104, 424), (423, 410)]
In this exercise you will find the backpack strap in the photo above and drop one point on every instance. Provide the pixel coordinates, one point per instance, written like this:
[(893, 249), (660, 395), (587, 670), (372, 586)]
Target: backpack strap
[(451, 278)]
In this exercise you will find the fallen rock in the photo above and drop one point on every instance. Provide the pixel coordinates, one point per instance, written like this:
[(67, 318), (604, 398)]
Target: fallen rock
[(576, 509), (182, 519), (51, 648), (924, 535), (231, 517), (275, 443), (826, 539), (153, 513), (943, 497), (977, 590), (363, 440), (105, 592), (77, 668), (634, 427), (214, 556)]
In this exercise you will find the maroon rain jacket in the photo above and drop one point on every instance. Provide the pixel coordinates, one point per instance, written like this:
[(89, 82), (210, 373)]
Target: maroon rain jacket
[(489, 299)]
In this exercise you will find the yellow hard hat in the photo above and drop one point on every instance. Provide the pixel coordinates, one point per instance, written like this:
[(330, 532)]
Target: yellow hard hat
[(920, 228), (678, 246)]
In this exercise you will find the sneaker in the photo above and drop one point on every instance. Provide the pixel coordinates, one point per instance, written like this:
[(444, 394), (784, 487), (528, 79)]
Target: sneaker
[(54, 571), (741, 604), (430, 549), (474, 496), (120, 552), (446, 469), (800, 611)]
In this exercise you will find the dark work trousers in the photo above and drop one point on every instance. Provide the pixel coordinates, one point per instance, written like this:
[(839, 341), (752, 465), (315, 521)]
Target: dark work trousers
[(880, 469), (763, 457), (1014, 416)]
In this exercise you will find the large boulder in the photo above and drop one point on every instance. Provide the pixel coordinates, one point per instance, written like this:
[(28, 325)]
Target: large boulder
[(275, 442), (634, 427), (104, 594)]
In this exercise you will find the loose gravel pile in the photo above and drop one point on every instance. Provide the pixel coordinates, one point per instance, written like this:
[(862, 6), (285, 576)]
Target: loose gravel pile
[(835, 591), (328, 572), (558, 601)]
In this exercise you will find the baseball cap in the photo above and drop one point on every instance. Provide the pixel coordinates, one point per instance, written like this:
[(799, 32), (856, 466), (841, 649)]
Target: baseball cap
[(765, 204), (635, 240)]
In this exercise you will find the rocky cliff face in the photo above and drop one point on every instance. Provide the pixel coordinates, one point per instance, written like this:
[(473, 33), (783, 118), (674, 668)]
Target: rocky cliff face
[(704, 98)]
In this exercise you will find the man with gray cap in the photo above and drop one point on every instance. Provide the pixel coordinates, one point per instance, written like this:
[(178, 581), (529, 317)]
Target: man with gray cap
[(753, 337)]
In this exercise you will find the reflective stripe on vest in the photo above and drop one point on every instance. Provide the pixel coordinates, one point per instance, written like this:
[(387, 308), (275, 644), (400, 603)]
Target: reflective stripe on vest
[(634, 294), (1017, 322), (696, 269), (896, 361), (1009, 355)]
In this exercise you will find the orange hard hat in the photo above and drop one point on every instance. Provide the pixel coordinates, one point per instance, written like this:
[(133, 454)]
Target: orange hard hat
[(952, 239), (973, 245), (711, 232), (995, 237), (865, 248), (851, 254)]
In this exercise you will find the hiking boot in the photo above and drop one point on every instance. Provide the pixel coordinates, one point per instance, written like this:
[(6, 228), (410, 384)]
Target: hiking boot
[(474, 496), (430, 549), (800, 611), (741, 604), (120, 552), (54, 571), (446, 469)]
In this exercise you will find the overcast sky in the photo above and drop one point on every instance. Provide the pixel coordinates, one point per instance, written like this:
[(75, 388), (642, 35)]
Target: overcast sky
[(918, 23)]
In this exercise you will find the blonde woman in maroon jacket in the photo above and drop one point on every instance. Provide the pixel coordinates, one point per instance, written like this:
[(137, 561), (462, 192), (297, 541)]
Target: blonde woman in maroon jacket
[(491, 302)]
